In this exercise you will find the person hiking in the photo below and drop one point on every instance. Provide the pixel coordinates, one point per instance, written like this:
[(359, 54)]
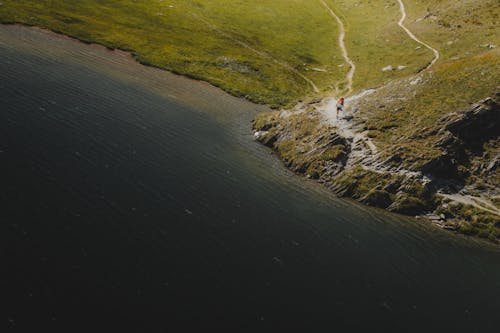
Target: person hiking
[(340, 106)]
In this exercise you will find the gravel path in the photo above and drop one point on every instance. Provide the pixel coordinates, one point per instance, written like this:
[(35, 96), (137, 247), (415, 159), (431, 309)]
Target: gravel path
[(412, 36), (350, 74)]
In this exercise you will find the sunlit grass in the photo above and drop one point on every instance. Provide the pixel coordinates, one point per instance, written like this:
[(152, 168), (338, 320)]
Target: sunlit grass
[(405, 116), (205, 39), (258, 49)]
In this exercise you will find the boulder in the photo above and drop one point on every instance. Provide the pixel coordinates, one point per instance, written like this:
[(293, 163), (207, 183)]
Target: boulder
[(377, 198), (461, 134), (393, 186), (269, 138), (443, 166), (479, 123)]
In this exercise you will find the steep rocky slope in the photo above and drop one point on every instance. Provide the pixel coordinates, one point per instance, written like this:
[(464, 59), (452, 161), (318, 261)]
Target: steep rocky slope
[(454, 181)]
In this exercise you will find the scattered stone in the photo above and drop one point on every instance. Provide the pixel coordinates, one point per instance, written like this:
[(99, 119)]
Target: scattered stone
[(258, 134), (450, 227), (493, 164), (400, 67), (285, 114), (387, 68), (278, 260), (234, 65), (268, 139), (445, 140), (416, 81), (489, 46)]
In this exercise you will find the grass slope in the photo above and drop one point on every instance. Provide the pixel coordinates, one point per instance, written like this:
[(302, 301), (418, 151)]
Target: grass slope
[(404, 115), (242, 46), (374, 41), (258, 49)]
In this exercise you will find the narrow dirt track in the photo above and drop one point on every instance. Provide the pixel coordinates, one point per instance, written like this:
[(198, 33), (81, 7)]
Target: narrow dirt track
[(412, 36), (350, 74)]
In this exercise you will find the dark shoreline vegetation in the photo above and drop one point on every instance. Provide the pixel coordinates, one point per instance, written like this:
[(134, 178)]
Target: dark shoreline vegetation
[(409, 118)]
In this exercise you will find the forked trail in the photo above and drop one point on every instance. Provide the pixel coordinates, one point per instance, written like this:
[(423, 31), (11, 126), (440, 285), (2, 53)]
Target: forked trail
[(352, 69), (412, 36)]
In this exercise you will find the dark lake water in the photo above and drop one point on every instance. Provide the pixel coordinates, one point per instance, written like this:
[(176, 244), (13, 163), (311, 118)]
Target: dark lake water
[(133, 199)]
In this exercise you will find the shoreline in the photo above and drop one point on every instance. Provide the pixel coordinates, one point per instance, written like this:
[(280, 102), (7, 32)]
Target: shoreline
[(431, 219), (341, 157), (130, 54)]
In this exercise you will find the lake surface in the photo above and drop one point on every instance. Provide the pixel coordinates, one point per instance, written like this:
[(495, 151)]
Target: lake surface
[(134, 199)]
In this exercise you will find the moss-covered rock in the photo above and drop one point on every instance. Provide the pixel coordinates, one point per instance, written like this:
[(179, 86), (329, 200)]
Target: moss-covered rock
[(408, 205), (265, 121), (377, 198)]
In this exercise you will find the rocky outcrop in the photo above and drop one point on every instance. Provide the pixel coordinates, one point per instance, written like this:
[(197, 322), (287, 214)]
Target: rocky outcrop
[(377, 198), (477, 124), (461, 137), (342, 159), (306, 146)]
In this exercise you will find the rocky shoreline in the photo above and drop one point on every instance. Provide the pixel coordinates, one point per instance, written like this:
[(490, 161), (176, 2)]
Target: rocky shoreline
[(455, 190)]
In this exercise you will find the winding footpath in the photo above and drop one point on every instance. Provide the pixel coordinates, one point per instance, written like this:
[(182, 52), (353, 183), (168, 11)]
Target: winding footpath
[(350, 74), (412, 36), (363, 151), (346, 127)]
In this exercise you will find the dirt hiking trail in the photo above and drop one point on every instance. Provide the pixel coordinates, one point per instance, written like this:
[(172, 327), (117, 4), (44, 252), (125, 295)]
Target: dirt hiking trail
[(352, 69), (412, 36)]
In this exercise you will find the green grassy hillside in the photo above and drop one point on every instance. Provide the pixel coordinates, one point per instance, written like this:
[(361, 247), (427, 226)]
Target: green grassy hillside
[(264, 50), (255, 49), (459, 29), (375, 41)]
